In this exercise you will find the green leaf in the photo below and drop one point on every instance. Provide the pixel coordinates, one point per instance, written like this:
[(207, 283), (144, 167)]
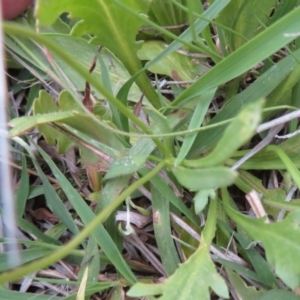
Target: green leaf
[(236, 134), (16, 295), (23, 191), (269, 160), (111, 26), (197, 179), (25, 256), (85, 213), (201, 199), (163, 234), (241, 289), (22, 124), (261, 88), (177, 66), (199, 25), (132, 162), (278, 295), (165, 190), (53, 201), (196, 121), (245, 19), (247, 56), (280, 241), (190, 281)]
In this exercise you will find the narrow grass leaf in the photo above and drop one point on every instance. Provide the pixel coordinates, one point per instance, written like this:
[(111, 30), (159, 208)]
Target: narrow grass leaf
[(290, 166), (23, 190), (16, 295), (82, 286), (162, 230), (85, 213), (26, 256), (30, 228), (209, 14), (165, 190), (196, 121), (261, 88), (53, 200), (246, 57), (263, 270), (269, 160), (236, 135)]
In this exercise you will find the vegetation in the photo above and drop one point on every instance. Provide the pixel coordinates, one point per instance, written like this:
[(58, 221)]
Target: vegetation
[(155, 150)]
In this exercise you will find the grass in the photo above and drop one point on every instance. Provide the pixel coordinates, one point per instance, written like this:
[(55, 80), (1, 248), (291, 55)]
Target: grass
[(143, 159)]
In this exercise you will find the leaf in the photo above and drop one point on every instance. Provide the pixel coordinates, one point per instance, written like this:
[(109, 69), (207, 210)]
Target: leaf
[(165, 190), (132, 162), (111, 26), (190, 281), (85, 213), (269, 160), (201, 199), (166, 13), (177, 66), (43, 214), (199, 25), (162, 230), (25, 256), (241, 289), (82, 287), (247, 56), (236, 134), (16, 295), (196, 121), (261, 88), (45, 104), (197, 179), (75, 46), (278, 295), (23, 191), (22, 124), (245, 18), (280, 241)]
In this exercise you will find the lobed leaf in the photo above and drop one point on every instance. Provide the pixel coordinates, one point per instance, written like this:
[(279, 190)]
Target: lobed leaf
[(280, 241)]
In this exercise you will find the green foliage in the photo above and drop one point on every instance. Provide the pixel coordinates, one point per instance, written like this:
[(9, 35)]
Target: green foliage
[(229, 67)]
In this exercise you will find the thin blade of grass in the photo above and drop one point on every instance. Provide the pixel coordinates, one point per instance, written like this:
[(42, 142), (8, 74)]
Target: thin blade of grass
[(85, 213), (261, 88), (196, 121), (246, 57), (162, 230), (23, 191)]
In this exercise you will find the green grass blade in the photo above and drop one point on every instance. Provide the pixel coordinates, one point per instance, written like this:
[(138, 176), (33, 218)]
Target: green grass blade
[(247, 56), (165, 190), (236, 135), (261, 88), (15, 295), (196, 121), (85, 213), (162, 230), (23, 191)]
